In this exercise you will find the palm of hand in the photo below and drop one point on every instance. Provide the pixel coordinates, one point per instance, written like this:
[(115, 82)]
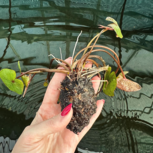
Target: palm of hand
[(48, 133), (63, 140)]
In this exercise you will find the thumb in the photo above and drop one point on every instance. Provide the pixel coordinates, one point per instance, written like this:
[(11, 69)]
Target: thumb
[(53, 125)]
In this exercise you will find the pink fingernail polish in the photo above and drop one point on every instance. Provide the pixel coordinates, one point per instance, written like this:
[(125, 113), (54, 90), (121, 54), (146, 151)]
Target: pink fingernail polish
[(66, 110)]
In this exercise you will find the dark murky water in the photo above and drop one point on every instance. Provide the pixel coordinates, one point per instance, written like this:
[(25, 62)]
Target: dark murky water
[(32, 29)]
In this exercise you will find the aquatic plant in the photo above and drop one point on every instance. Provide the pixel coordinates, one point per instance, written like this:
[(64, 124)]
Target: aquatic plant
[(77, 88)]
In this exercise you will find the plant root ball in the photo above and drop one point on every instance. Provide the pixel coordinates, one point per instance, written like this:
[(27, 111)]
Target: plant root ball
[(82, 96)]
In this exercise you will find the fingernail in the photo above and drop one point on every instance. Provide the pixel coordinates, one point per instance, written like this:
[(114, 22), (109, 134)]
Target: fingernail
[(66, 110), (103, 100), (69, 57)]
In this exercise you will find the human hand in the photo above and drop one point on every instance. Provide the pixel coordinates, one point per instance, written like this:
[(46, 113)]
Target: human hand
[(47, 132)]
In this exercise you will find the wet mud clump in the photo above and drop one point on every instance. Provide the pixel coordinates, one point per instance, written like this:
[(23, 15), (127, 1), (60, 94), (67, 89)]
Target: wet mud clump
[(82, 96)]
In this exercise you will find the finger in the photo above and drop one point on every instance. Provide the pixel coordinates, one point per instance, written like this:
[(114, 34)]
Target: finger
[(100, 104), (45, 112), (53, 125), (96, 82), (88, 65), (52, 93)]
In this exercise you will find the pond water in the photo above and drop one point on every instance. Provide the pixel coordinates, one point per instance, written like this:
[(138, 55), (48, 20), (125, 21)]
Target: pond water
[(30, 30)]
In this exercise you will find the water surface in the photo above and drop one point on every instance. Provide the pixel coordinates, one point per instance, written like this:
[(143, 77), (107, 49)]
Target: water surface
[(30, 30)]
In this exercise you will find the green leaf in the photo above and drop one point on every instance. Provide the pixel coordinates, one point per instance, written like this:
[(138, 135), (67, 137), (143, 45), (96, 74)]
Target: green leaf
[(26, 80), (110, 86), (9, 79), (115, 26), (116, 29), (19, 66), (111, 19), (45, 84)]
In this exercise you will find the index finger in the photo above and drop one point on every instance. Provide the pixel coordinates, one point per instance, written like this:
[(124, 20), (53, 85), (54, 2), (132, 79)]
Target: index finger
[(53, 92)]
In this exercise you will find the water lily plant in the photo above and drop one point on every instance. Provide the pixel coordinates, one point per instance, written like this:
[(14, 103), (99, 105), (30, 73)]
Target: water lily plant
[(108, 83)]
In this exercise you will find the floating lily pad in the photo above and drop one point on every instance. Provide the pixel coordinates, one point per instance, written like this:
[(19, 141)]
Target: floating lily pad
[(9, 79), (110, 86)]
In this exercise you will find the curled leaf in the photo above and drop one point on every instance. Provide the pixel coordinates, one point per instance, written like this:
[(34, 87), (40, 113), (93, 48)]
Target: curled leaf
[(26, 79), (9, 79), (117, 30), (112, 20), (115, 26), (110, 86)]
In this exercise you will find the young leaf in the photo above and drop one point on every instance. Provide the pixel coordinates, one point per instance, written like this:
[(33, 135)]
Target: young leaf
[(108, 88), (116, 29), (45, 84), (26, 80), (9, 79), (112, 20), (115, 26), (19, 66)]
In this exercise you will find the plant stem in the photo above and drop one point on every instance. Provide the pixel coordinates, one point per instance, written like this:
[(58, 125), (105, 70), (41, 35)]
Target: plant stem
[(75, 46), (101, 46), (63, 62), (44, 70), (118, 61), (93, 62), (97, 36), (101, 50), (104, 30), (98, 57), (96, 70), (105, 27)]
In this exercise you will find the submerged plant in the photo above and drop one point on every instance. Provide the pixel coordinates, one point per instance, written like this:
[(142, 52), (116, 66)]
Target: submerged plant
[(77, 88)]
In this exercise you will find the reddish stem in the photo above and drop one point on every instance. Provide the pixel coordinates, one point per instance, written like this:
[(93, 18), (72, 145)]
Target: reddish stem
[(44, 70), (118, 61), (105, 27)]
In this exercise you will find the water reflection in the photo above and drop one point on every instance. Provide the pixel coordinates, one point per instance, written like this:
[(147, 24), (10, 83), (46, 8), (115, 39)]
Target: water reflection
[(32, 29)]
